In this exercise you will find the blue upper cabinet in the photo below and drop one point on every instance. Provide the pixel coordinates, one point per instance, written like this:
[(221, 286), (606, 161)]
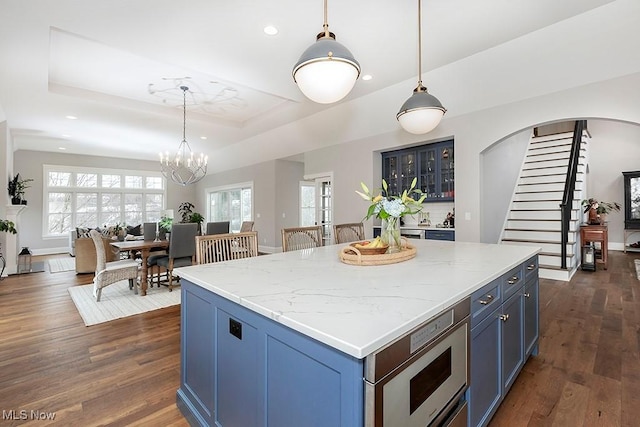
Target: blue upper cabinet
[(432, 164), (398, 169)]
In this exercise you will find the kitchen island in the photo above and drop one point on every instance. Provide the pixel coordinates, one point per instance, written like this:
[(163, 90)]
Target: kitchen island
[(281, 339)]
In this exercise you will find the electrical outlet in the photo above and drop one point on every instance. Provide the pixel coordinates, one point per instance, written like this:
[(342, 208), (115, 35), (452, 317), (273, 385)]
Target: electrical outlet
[(235, 328)]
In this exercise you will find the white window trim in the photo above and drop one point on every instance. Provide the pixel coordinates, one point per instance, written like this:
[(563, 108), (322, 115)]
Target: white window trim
[(46, 168), (240, 185)]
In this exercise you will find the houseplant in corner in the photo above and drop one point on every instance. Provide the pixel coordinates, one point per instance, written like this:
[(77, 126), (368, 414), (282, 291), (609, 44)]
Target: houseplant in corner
[(7, 226), (597, 211), (16, 189)]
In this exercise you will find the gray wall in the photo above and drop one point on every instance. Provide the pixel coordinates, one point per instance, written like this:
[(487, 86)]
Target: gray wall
[(614, 148), (500, 169), (30, 165), (275, 192)]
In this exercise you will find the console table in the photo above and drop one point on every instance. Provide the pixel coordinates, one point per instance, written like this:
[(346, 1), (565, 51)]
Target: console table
[(596, 234)]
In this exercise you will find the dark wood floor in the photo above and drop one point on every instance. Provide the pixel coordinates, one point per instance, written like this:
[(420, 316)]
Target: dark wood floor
[(126, 372)]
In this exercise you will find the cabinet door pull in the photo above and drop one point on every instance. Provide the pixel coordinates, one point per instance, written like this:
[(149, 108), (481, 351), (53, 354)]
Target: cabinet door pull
[(489, 298), (527, 294), (513, 280), (531, 267), (504, 317)]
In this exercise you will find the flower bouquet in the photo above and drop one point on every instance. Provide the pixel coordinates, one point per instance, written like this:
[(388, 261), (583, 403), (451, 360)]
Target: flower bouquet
[(390, 208)]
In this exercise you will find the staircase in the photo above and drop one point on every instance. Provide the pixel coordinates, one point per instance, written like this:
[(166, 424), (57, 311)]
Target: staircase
[(534, 216)]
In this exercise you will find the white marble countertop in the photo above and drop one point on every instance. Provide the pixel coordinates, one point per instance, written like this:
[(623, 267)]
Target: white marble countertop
[(357, 309)]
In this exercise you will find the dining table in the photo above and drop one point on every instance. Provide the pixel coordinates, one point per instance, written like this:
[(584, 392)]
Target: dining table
[(144, 247)]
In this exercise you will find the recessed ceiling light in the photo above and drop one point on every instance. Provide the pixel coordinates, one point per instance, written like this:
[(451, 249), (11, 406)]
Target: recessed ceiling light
[(62, 148), (65, 135), (203, 137), (71, 117), (270, 30), (367, 77)]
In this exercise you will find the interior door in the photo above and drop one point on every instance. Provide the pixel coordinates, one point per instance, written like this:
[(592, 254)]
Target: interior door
[(324, 208)]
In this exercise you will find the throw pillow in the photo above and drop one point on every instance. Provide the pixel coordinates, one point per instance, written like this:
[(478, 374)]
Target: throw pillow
[(135, 231), (82, 232)]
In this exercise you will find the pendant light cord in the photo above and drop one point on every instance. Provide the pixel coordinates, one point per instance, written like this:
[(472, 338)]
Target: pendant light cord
[(326, 21), (419, 45), (184, 112)]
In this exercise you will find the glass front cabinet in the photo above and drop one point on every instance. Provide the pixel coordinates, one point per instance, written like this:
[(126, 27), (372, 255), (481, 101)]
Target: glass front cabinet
[(433, 164)]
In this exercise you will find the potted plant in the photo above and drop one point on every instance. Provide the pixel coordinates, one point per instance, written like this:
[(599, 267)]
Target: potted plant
[(197, 218), (120, 231), (598, 211), (186, 209), (165, 226), (16, 189), (8, 226), (189, 216)]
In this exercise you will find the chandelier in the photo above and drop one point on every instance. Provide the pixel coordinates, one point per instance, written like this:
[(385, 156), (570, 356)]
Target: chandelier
[(183, 168), (422, 112)]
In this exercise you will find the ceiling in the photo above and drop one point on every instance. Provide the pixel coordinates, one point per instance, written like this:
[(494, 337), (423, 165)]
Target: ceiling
[(116, 67)]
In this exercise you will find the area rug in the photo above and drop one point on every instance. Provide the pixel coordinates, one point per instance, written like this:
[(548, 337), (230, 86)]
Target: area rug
[(57, 265), (637, 261), (118, 301)]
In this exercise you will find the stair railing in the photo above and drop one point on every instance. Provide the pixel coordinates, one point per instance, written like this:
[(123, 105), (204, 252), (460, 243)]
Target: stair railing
[(569, 189)]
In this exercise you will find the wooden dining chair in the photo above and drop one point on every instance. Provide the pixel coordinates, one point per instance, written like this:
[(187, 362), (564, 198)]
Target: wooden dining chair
[(348, 232), (219, 227), (108, 273), (226, 247), (246, 226), (297, 238), (182, 249)]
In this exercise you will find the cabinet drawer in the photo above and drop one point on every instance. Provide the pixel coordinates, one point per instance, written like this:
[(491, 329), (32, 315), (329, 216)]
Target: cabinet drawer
[(592, 235), (530, 268), (512, 281), (484, 301), (440, 235)]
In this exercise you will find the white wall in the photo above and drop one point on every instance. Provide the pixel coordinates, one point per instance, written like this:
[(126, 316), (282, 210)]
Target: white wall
[(473, 133), (499, 171), (275, 192)]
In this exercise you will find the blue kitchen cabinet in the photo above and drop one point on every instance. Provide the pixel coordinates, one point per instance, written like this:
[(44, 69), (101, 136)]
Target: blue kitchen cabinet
[(531, 320), (284, 378), (504, 332), (485, 392), (512, 340), (440, 235), (433, 164)]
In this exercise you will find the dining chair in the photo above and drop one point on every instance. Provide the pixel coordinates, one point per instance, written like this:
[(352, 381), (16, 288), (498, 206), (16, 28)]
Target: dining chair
[(246, 226), (219, 227), (182, 249), (150, 231), (226, 247), (108, 273), (348, 232), (297, 238)]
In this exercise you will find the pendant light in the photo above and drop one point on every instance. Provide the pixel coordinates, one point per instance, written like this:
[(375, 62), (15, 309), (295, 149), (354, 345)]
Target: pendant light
[(326, 71), (422, 112), (183, 169)]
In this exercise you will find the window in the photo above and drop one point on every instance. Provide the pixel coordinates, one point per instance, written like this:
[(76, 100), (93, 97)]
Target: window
[(307, 203), (90, 197), (231, 203)]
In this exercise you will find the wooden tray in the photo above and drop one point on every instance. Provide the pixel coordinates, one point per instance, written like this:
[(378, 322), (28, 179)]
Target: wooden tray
[(351, 255)]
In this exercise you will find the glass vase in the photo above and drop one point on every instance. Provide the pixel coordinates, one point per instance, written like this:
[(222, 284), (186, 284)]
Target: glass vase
[(391, 234)]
